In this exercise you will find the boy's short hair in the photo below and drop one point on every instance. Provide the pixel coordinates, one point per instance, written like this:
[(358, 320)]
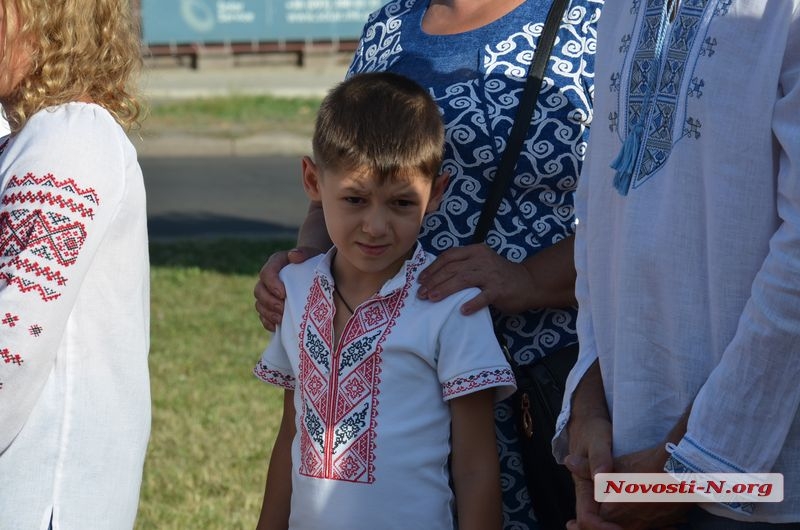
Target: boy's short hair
[(383, 122)]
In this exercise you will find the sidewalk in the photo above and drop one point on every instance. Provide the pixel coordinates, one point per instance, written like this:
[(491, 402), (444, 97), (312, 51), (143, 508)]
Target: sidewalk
[(281, 80), (313, 79)]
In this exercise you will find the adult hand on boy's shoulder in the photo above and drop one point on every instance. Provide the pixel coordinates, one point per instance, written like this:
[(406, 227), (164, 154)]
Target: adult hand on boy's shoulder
[(269, 290), (456, 269)]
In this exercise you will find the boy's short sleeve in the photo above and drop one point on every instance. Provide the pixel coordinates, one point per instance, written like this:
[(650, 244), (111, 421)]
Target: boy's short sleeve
[(274, 366), (469, 357)]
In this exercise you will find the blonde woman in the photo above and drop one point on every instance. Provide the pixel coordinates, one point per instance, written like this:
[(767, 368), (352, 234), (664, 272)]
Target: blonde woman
[(74, 293)]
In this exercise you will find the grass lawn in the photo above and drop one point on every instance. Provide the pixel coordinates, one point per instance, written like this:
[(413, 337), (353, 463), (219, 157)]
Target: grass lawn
[(234, 116), (213, 422)]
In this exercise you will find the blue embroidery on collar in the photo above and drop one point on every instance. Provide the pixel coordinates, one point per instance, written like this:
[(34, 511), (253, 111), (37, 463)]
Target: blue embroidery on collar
[(652, 114)]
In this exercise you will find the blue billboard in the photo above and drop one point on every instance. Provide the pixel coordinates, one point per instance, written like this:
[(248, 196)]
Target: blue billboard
[(190, 21)]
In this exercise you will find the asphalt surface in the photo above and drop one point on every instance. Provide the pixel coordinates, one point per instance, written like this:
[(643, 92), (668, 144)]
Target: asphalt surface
[(208, 187)]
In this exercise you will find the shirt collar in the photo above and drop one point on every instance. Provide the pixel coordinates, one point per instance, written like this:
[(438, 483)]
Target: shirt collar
[(407, 273)]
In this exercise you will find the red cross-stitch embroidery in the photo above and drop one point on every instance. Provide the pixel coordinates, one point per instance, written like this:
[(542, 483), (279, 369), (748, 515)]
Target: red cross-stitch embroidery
[(340, 389), (11, 358), (267, 374), (25, 285), (49, 181), (10, 320), (50, 235), (481, 379)]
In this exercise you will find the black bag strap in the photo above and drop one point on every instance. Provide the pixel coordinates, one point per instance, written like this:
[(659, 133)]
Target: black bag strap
[(522, 121)]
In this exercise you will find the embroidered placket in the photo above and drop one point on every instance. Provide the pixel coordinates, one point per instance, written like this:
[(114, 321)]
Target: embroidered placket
[(339, 384), (388, 307), (333, 393), (342, 391), (628, 161)]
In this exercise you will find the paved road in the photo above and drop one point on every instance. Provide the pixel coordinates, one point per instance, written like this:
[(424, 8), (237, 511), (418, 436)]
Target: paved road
[(206, 187), (221, 196)]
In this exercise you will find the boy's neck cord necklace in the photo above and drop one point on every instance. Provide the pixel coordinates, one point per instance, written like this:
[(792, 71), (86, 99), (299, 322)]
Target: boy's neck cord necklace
[(336, 292)]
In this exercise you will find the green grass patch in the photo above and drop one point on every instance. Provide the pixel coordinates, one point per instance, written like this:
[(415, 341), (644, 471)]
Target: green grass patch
[(213, 422), (233, 116)]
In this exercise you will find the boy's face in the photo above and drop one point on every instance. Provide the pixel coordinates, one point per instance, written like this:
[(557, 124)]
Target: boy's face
[(373, 225)]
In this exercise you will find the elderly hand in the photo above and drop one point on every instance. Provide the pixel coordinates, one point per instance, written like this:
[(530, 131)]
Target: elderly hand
[(503, 284), (590, 453), (269, 290), (641, 515), (590, 434)]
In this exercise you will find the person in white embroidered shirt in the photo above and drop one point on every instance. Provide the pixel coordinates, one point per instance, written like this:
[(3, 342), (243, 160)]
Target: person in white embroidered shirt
[(380, 386), (688, 260), (74, 291)]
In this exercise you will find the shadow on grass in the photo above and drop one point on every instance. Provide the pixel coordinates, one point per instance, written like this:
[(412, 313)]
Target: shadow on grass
[(223, 255)]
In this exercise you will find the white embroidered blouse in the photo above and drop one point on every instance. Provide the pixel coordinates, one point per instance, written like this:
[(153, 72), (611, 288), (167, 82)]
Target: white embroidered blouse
[(373, 438), (74, 323)]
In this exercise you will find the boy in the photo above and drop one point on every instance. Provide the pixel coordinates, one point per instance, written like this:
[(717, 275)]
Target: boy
[(380, 387)]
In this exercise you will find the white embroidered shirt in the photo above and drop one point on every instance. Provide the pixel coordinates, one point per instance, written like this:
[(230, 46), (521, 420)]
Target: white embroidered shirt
[(74, 319), (689, 267), (373, 423)]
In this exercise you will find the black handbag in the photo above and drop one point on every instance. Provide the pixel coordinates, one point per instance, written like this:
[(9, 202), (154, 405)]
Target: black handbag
[(540, 385), (537, 403)]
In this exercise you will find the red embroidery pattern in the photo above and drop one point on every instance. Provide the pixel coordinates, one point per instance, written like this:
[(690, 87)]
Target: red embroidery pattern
[(51, 235), (478, 380), (63, 186), (47, 235), (11, 358), (340, 389), (274, 377), (5, 353)]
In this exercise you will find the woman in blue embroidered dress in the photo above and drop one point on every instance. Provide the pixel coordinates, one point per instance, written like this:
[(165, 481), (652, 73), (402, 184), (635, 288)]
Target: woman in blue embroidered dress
[(473, 57)]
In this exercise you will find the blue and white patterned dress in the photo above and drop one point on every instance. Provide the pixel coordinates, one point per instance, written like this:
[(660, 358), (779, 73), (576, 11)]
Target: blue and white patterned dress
[(477, 77)]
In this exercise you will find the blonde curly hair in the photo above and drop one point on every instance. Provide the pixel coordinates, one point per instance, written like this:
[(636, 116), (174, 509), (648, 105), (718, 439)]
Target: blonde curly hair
[(78, 50)]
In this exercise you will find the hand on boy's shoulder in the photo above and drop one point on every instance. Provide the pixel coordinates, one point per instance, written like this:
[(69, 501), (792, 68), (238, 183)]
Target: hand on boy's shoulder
[(300, 267), (438, 289), (302, 253), (457, 295), (456, 298)]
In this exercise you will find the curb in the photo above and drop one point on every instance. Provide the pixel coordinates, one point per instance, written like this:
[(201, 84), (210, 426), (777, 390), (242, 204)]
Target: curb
[(175, 145), (275, 80)]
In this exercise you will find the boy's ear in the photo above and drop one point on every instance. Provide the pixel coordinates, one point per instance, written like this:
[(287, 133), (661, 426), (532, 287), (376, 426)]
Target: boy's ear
[(311, 178), (439, 186)]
